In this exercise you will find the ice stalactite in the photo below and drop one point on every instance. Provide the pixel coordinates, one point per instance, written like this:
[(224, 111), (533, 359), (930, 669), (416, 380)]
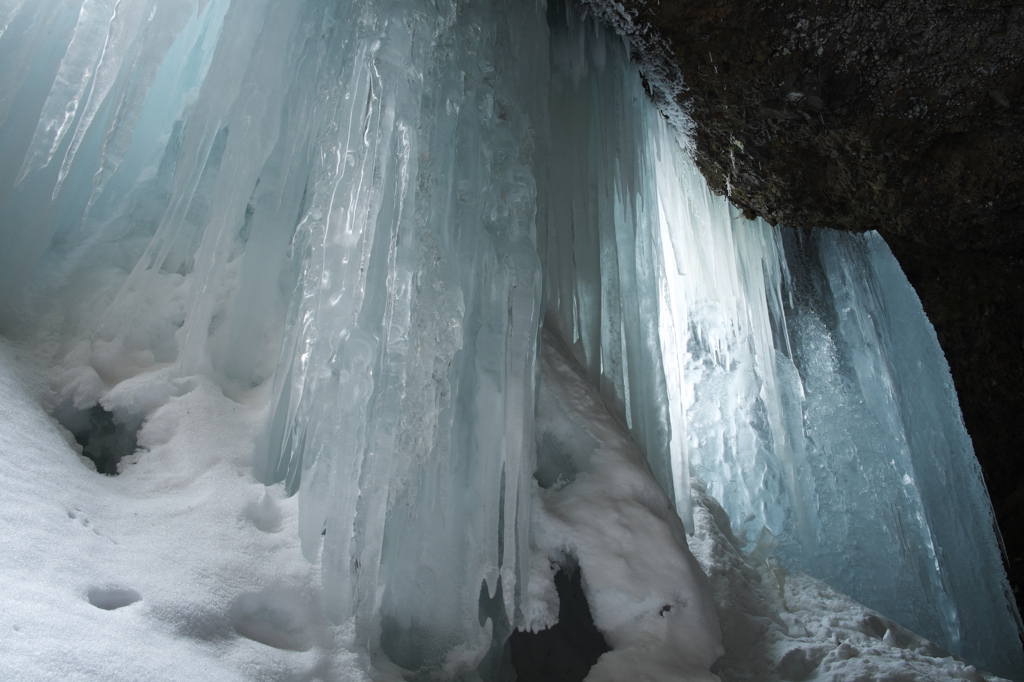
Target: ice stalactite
[(362, 212), (343, 192), (600, 245), (404, 402)]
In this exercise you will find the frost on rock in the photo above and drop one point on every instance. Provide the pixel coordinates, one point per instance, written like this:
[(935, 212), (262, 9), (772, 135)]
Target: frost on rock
[(352, 218)]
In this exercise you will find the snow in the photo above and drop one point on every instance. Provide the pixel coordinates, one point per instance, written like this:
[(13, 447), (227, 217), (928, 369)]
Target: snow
[(646, 592), (182, 567)]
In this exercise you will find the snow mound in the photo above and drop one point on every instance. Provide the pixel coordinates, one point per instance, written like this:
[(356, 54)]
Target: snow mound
[(647, 594)]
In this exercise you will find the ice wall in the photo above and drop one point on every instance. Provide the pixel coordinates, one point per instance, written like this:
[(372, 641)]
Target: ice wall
[(601, 243), (328, 203), (360, 212), (403, 404), (818, 407)]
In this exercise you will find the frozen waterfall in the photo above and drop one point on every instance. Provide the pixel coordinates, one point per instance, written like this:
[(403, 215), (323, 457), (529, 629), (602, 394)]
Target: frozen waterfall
[(362, 212)]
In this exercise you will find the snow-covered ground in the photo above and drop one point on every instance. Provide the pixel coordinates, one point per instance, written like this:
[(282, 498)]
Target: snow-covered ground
[(181, 568), (184, 567)]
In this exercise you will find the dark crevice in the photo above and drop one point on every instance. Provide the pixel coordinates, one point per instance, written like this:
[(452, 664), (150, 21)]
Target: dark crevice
[(568, 650), (105, 439)]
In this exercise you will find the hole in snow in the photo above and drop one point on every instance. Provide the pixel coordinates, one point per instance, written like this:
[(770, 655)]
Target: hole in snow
[(104, 438), (566, 651), (111, 598)]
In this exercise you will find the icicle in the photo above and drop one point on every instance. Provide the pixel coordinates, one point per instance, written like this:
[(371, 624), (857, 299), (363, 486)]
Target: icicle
[(8, 11), (74, 79), (601, 245)]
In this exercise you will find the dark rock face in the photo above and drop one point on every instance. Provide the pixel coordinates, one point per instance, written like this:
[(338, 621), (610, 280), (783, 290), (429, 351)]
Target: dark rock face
[(886, 115), (905, 117)]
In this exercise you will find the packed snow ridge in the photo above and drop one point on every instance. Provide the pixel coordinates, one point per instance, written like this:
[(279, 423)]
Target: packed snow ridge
[(284, 268)]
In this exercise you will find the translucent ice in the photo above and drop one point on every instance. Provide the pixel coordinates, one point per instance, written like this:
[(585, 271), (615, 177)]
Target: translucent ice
[(819, 409), (601, 242), (793, 371), (332, 200), (361, 213)]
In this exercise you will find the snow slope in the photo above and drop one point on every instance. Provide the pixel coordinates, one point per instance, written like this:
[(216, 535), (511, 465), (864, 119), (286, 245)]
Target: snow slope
[(181, 568)]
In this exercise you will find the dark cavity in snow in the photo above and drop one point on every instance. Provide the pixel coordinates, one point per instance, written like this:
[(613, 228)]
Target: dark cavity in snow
[(566, 651), (111, 598), (104, 437)]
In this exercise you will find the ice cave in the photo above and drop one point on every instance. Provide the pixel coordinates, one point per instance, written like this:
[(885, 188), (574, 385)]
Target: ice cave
[(341, 336)]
